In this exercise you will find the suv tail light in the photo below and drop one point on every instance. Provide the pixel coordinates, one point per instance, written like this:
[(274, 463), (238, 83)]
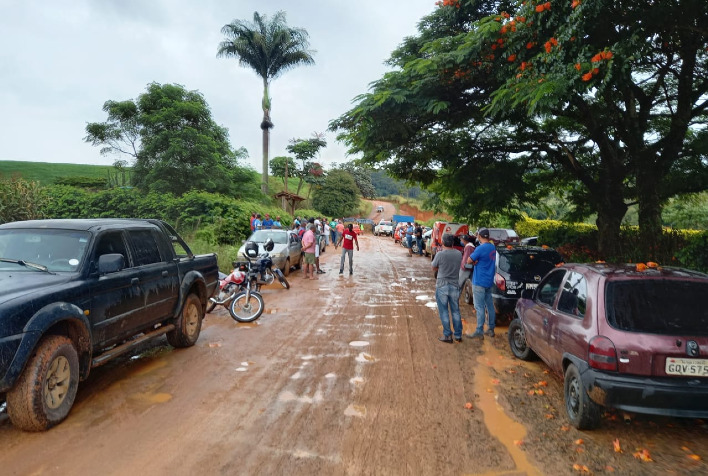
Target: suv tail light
[(500, 282), (602, 354)]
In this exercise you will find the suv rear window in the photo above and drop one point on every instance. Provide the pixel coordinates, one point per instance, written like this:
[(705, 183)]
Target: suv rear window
[(528, 261), (658, 306)]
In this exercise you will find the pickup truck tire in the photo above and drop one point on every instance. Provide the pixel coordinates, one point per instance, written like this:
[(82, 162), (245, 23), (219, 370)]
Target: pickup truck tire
[(188, 324), (45, 392)]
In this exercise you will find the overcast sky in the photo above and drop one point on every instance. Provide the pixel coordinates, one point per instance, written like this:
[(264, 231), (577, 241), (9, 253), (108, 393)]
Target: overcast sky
[(61, 60)]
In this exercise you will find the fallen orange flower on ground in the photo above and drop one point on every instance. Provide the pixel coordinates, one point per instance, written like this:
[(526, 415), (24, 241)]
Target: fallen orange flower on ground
[(643, 455), (616, 444), (468, 405)]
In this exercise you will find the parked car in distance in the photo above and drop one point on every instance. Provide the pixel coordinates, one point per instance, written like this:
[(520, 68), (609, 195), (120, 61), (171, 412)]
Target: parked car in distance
[(426, 241), (379, 209), (621, 336), (385, 227), (517, 268), (287, 252), (503, 236)]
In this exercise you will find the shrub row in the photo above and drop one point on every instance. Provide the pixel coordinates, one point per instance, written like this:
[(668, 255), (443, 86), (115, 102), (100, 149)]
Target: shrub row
[(577, 242)]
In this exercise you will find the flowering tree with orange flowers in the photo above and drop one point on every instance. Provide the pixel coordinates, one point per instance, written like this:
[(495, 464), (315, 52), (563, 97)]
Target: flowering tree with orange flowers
[(605, 97)]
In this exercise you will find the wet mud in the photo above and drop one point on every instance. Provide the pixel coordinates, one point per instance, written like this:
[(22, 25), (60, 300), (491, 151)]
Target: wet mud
[(342, 375)]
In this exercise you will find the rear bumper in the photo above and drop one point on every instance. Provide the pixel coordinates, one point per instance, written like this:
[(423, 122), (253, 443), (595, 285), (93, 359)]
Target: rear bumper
[(679, 397), (503, 304)]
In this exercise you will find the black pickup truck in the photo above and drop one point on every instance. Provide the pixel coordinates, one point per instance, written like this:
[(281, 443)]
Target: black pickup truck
[(76, 293)]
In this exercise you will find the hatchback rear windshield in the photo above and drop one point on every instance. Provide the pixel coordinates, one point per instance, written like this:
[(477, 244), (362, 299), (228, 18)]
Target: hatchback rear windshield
[(655, 306), (535, 262)]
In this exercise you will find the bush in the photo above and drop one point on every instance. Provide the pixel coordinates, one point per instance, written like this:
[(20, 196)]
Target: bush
[(694, 254), (21, 200)]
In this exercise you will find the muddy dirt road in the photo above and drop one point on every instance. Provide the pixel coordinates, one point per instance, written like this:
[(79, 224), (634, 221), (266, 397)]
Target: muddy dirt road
[(341, 375)]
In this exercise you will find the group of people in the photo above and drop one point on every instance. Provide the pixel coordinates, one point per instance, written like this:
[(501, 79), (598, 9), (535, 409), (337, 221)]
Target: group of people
[(313, 231), (267, 223), (414, 232), (451, 268)]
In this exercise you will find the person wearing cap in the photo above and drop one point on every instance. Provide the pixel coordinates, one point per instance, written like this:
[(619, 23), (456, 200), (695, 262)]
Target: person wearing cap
[(484, 259), (447, 291), (466, 264)]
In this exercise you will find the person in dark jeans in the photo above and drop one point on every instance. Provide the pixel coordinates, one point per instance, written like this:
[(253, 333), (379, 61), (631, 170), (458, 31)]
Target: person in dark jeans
[(419, 238), (446, 265)]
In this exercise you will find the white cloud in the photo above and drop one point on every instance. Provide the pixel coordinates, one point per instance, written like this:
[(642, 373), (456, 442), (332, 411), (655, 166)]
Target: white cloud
[(62, 60)]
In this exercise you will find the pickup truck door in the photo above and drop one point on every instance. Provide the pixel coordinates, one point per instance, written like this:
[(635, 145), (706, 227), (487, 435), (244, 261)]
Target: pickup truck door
[(158, 275), (116, 298)]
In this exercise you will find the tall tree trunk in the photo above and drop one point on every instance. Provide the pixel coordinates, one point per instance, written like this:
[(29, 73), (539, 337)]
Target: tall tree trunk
[(266, 126), (611, 209), (650, 228)]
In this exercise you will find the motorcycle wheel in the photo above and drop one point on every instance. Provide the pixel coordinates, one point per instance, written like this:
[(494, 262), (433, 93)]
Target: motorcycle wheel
[(281, 277), (246, 311)]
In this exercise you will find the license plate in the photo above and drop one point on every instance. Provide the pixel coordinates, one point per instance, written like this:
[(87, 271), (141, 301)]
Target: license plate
[(688, 367), (531, 285)]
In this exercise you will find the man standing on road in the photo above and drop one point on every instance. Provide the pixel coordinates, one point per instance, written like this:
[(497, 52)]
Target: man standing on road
[(447, 292), (340, 230), (308, 247), (347, 241), (410, 231), (484, 258), (466, 263), (419, 238)]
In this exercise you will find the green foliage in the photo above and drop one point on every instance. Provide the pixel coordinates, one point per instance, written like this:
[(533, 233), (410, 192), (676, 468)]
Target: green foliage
[(338, 196), (687, 212), (305, 150), (176, 145), (20, 200), (277, 167), (577, 242), (47, 173), (694, 254), (83, 182), (362, 177)]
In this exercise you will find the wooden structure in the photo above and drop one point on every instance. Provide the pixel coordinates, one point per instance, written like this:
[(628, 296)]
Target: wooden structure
[(289, 201)]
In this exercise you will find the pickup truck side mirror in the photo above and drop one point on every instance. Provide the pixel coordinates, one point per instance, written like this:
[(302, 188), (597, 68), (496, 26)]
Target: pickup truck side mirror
[(110, 263), (527, 294)]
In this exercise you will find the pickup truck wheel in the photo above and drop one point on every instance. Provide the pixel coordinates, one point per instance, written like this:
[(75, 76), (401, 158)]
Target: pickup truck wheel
[(188, 324), (45, 392), (517, 341), (583, 413), (286, 268)]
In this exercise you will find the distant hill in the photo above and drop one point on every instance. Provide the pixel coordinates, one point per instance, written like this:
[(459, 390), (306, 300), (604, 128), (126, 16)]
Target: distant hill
[(46, 172)]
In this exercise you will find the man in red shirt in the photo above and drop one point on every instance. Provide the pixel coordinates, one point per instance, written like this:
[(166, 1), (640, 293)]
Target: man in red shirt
[(347, 240)]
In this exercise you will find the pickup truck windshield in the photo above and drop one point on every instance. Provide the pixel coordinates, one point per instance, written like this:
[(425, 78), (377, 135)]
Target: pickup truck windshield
[(58, 250)]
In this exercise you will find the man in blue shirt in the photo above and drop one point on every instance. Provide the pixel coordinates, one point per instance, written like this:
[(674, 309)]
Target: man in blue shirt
[(484, 258), (257, 222), (277, 224), (267, 222)]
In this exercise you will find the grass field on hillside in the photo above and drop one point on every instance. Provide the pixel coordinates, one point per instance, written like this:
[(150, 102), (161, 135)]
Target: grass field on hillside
[(45, 173)]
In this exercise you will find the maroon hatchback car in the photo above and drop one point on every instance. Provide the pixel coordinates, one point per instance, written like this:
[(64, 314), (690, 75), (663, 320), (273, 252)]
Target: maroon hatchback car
[(620, 337)]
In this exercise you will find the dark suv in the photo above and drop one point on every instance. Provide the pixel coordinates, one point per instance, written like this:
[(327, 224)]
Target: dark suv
[(517, 268), (622, 336)]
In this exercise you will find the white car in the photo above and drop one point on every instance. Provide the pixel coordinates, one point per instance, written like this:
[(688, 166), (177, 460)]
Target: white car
[(286, 253)]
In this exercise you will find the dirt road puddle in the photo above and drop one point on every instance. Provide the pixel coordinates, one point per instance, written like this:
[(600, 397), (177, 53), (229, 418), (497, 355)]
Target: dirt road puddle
[(509, 432)]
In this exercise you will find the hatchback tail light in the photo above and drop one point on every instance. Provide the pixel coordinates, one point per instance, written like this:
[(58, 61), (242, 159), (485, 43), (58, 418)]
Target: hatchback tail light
[(602, 354), (500, 282)]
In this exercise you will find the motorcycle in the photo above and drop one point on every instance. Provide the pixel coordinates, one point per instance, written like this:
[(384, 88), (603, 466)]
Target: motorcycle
[(247, 305), (229, 286)]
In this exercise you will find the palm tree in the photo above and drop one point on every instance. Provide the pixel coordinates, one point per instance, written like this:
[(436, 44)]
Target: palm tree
[(269, 48)]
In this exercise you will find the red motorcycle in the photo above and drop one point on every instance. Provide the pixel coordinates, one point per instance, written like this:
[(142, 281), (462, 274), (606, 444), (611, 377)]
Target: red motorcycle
[(229, 286)]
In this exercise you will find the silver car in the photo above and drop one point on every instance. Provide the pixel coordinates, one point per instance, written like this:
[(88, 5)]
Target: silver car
[(286, 253)]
